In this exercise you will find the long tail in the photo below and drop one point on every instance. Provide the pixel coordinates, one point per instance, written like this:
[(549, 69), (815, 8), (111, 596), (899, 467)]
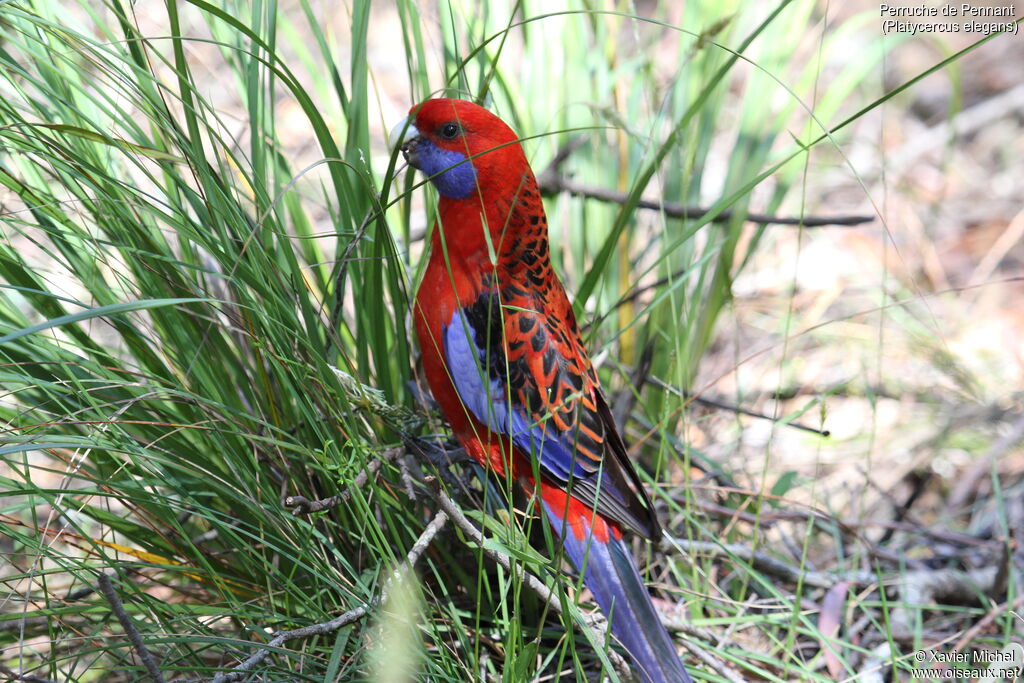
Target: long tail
[(612, 576)]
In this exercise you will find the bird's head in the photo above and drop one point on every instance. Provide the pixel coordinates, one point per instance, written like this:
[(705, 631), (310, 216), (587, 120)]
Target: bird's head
[(461, 146)]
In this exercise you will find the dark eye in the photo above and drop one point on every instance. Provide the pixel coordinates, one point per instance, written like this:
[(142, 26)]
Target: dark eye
[(450, 130)]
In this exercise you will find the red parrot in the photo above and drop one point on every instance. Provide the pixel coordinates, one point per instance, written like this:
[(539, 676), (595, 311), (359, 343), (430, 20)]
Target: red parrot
[(504, 359)]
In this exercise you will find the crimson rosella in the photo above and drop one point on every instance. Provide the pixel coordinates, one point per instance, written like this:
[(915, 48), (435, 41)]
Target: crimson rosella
[(504, 360)]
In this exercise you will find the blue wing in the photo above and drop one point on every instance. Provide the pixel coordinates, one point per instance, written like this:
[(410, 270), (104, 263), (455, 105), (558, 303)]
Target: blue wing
[(517, 377)]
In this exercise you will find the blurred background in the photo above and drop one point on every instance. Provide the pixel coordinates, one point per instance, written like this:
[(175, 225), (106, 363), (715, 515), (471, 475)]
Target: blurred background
[(207, 256)]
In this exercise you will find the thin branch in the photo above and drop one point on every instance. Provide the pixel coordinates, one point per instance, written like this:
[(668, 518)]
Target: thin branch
[(474, 534), (425, 539), (107, 589), (639, 291), (983, 623), (303, 506), (712, 403), (551, 182), (941, 535), (281, 637), (23, 624), (27, 678), (1005, 565)]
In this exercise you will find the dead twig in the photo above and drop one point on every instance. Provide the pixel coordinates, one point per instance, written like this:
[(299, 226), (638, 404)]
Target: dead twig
[(721, 405), (24, 624), (27, 678), (303, 506), (148, 660), (983, 623), (462, 522), (941, 535), (424, 540), (550, 181), (281, 637)]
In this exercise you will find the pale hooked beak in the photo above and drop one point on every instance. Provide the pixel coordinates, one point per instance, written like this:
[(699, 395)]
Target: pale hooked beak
[(405, 136)]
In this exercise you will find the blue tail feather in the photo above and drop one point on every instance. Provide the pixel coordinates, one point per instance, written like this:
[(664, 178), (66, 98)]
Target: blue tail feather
[(611, 575)]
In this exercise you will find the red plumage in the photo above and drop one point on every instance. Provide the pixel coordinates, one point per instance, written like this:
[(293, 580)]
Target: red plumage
[(504, 359)]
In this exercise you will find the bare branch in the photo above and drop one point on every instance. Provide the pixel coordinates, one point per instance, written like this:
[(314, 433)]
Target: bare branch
[(27, 678), (107, 589), (712, 403), (983, 623), (551, 181), (425, 539), (303, 506), (474, 534), (281, 637)]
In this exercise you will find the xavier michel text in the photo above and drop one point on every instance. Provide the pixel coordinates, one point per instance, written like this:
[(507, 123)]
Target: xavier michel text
[(955, 18), (973, 657)]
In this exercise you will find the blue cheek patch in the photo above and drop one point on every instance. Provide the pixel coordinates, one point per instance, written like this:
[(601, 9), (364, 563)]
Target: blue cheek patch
[(456, 182)]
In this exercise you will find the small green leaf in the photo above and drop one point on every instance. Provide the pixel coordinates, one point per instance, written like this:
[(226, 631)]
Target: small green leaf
[(783, 484)]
